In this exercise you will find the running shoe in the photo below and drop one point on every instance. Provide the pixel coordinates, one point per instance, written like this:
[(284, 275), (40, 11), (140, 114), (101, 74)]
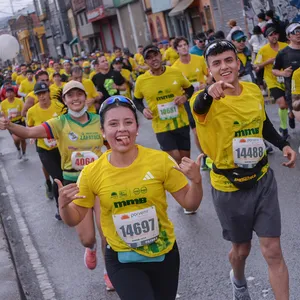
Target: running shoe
[(90, 258), (239, 293), (57, 216), (269, 149), (49, 192), (108, 284), (188, 212), (24, 157), (284, 133), (19, 154), (292, 123)]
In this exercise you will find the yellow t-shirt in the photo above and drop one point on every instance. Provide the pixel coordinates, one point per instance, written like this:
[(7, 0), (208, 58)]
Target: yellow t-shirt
[(159, 93), (91, 92), (26, 87), (14, 76), (93, 73), (162, 51), (141, 62), (296, 82), (119, 196), (195, 71), (51, 75), (50, 71), (13, 109), (137, 57), (74, 137), (37, 116), (20, 78), (126, 74), (171, 55), (229, 118), (133, 63), (86, 76), (242, 57), (265, 53), (55, 89)]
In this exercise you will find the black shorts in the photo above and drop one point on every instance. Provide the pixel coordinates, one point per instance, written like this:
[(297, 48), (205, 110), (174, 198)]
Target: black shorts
[(178, 139), (244, 211), (277, 93), (19, 122)]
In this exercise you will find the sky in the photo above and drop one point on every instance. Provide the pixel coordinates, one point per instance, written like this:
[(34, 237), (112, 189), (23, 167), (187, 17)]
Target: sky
[(5, 7)]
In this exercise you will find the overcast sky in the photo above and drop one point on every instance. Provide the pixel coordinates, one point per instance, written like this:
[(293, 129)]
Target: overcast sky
[(5, 7)]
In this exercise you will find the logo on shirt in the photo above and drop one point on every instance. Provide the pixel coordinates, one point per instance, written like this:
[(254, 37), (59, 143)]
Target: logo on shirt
[(148, 176), (175, 82), (73, 136), (197, 70), (130, 202), (246, 132)]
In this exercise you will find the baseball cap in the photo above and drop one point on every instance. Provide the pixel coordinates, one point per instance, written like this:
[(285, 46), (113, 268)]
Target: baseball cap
[(150, 48), (238, 34), (73, 85), (86, 64), (9, 88), (117, 60), (270, 30), (40, 87), (56, 73), (291, 28)]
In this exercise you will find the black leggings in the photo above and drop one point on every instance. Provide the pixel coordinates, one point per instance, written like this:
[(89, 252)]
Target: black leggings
[(144, 281), (51, 162)]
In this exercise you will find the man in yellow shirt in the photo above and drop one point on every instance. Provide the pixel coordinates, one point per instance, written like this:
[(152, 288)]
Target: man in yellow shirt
[(296, 94), (86, 66), (171, 54), (66, 73), (57, 69), (165, 90), (96, 70), (93, 97), (264, 60), (139, 53), (57, 86), (22, 76), (232, 124), (27, 85)]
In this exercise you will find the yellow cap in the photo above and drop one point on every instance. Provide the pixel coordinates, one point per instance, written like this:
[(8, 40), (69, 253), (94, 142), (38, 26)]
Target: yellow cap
[(86, 64)]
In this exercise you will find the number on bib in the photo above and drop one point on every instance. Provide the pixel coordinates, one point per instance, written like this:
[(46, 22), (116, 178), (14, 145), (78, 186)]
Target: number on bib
[(82, 158), (167, 111)]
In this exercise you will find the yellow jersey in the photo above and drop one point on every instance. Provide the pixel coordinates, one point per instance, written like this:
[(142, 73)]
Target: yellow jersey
[(265, 53), (34, 96), (20, 78), (55, 89), (51, 75), (296, 82), (124, 197), (93, 73), (228, 118), (141, 62), (74, 140), (195, 71), (14, 76), (91, 92), (12, 110), (137, 57), (171, 55), (126, 74), (242, 57), (50, 71), (159, 93), (162, 51), (37, 116), (26, 86)]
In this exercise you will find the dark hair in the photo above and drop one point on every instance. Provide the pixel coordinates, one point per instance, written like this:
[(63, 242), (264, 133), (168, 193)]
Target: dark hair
[(23, 65), (178, 40), (117, 48), (171, 38), (200, 36), (219, 47), (154, 41), (257, 30), (262, 16), (76, 69), (270, 13), (40, 73), (209, 31), (113, 105), (219, 35)]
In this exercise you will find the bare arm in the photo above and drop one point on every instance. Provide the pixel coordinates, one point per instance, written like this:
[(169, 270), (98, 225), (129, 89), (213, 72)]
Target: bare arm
[(29, 102), (72, 214), (26, 132), (296, 102)]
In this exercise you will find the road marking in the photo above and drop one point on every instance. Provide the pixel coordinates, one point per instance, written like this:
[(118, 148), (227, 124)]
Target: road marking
[(41, 273)]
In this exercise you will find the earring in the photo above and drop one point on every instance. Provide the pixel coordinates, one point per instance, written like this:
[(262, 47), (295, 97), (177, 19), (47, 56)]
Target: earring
[(103, 136)]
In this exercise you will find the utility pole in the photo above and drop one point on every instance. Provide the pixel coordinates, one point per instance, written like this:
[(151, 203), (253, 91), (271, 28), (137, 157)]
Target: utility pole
[(12, 7)]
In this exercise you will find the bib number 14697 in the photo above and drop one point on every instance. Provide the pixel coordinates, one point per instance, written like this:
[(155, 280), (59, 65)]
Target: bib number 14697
[(137, 228)]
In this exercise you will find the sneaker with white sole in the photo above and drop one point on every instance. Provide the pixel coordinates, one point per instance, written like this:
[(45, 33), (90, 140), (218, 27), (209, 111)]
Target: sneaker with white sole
[(108, 284), (239, 293), (189, 212), (19, 154), (90, 258)]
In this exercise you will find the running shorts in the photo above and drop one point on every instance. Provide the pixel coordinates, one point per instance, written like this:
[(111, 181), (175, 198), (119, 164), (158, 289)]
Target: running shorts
[(178, 139), (276, 93), (244, 211)]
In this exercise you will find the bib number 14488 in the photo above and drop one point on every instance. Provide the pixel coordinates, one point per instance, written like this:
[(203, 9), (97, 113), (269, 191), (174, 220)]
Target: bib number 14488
[(250, 152)]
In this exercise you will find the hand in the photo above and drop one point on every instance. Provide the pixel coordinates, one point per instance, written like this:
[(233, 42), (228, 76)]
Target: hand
[(217, 89), (4, 123), (100, 95), (67, 193), (256, 68), (89, 102), (287, 72), (291, 156), (114, 86), (190, 168), (148, 114), (178, 100)]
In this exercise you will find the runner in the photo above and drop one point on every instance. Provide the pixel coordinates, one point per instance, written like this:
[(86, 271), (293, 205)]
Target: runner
[(96, 70), (79, 141), (22, 76), (66, 73), (27, 85), (171, 55), (11, 108), (231, 123), (142, 256), (47, 149), (286, 62), (107, 81), (264, 61), (7, 84), (57, 85), (194, 69), (165, 90), (199, 46), (86, 66)]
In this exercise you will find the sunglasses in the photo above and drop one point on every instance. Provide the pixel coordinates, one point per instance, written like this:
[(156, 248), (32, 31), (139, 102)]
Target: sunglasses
[(295, 31), (240, 40), (116, 99), (201, 41)]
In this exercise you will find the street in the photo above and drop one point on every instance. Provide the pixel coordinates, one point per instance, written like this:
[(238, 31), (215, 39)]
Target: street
[(49, 256)]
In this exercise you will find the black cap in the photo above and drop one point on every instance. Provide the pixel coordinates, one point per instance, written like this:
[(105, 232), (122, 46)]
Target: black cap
[(126, 51), (40, 87), (9, 89), (150, 48), (117, 60), (270, 30)]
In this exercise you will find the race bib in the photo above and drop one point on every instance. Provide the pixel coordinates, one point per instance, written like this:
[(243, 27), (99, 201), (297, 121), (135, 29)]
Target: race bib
[(137, 228), (51, 143), (196, 86), (247, 152), (246, 78), (280, 79), (167, 111), (13, 113), (82, 158)]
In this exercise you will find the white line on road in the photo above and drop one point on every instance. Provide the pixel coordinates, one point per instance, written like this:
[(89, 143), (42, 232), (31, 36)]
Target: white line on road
[(40, 271)]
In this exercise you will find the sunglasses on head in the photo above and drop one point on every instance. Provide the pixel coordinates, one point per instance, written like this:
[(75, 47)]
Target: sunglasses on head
[(240, 40), (295, 31), (115, 99)]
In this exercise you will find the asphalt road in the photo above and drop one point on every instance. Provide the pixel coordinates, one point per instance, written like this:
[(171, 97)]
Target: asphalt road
[(49, 255)]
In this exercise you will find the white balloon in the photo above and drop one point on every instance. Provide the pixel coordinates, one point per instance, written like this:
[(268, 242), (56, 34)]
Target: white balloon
[(9, 47)]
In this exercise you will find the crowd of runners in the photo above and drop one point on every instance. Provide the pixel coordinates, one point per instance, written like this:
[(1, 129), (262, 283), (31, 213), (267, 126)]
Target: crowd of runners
[(82, 115)]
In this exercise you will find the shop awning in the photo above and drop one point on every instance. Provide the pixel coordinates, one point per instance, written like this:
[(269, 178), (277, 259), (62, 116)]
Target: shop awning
[(180, 7), (74, 41)]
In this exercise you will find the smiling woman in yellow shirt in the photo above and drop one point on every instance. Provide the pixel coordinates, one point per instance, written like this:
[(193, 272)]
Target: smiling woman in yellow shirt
[(142, 251)]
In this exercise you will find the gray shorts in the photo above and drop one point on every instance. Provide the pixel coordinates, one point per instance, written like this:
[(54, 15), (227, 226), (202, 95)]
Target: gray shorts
[(244, 211)]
